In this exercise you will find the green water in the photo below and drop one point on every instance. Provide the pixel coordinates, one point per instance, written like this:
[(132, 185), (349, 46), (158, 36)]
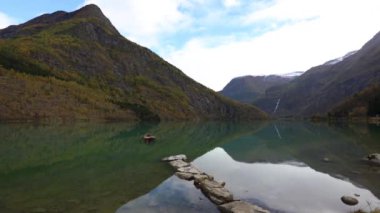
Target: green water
[(106, 167)]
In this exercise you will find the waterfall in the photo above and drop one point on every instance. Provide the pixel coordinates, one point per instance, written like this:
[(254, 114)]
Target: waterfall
[(278, 103)]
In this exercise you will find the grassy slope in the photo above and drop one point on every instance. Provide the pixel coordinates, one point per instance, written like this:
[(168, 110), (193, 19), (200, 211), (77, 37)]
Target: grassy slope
[(25, 97), (362, 104)]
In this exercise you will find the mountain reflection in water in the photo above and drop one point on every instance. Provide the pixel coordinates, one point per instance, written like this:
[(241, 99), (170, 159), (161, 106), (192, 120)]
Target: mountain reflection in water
[(280, 167), (102, 167), (287, 186)]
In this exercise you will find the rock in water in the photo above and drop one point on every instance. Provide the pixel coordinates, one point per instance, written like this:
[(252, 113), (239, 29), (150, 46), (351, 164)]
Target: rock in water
[(212, 183), (175, 157), (185, 175), (373, 158), (178, 163), (351, 201), (326, 160), (240, 207), (198, 178), (189, 169), (216, 192)]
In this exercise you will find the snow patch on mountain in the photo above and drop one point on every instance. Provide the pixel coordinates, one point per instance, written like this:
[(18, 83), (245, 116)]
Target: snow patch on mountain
[(337, 60)]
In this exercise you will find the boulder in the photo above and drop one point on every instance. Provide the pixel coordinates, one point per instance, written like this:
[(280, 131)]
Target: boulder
[(185, 175), (351, 201), (175, 157), (240, 207), (178, 163)]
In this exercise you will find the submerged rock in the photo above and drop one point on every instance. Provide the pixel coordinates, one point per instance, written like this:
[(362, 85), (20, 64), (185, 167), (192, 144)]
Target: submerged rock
[(373, 158), (175, 157), (351, 201), (240, 207), (178, 163), (326, 160)]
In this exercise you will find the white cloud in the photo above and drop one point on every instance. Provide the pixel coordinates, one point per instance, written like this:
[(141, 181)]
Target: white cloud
[(5, 20), (143, 20), (297, 34), (231, 3), (320, 30)]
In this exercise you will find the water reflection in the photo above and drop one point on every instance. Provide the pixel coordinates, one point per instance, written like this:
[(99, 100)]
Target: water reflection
[(173, 195), (285, 187), (95, 167), (281, 166)]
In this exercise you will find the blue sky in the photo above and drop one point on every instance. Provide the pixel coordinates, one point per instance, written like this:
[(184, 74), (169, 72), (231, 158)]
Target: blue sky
[(213, 41)]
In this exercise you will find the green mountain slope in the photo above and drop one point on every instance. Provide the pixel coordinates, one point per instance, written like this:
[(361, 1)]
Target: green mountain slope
[(362, 104), (322, 87), (248, 88), (81, 52)]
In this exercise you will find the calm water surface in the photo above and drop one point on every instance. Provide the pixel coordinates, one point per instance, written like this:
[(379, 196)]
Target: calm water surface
[(107, 167)]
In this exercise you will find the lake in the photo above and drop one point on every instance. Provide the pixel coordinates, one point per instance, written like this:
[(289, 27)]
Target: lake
[(106, 167)]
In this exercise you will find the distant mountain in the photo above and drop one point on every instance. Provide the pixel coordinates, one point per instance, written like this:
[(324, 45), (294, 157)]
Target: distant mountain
[(78, 66), (322, 87), (248, 88)]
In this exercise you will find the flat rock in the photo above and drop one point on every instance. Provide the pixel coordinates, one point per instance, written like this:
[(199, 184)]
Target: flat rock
[(185, 175), (351, 201), (216, 200), (241, 207), (189, 169), (178, 163), (200, 177), (175, 157), (217, 195), (212, 183)]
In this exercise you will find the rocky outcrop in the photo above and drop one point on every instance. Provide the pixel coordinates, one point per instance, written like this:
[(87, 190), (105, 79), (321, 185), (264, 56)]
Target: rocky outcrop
[(212, 189)]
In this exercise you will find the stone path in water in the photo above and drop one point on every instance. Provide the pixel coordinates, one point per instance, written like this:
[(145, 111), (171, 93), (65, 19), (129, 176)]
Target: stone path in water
[(212, 189)]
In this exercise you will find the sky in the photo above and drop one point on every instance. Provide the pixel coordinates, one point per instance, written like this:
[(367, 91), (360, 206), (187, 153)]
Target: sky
[(213, 41)]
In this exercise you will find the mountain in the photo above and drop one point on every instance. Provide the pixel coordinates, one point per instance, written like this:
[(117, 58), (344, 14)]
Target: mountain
[(248, 88), (322, 87), (76, 65), (362, 104)]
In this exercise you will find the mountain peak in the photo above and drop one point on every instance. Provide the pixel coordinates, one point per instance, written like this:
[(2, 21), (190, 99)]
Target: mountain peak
[(89, 11)]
